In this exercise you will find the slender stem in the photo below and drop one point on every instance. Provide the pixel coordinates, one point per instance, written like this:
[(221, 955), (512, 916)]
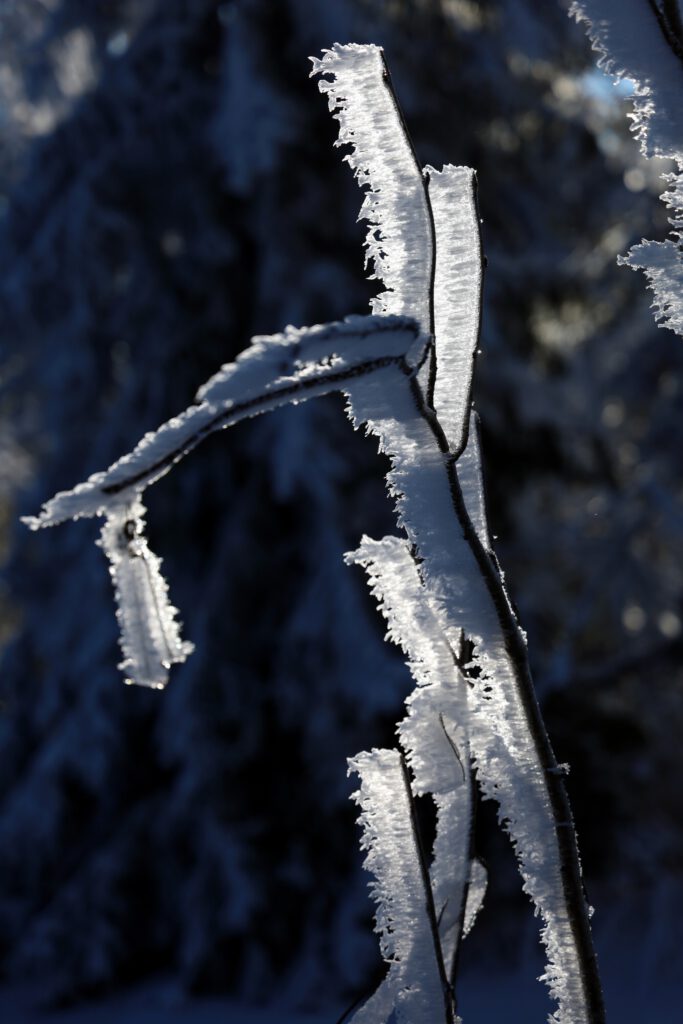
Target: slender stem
[(468, 781), (251, 406), (515, 647), (449, 1003)]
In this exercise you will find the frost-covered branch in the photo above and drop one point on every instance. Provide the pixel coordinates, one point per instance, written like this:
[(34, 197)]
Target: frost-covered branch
[(514, 759), (415, 989), (276, 370), (435, 733), (400, 242), (407, 375)]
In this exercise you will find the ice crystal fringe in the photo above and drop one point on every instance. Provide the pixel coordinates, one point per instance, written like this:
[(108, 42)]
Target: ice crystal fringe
[(636, 39), (457, 296), (413, 988), (150, 635), (662, 263), (434, 734), (276, 370), (399, 239), (507, 761), (284, 368)]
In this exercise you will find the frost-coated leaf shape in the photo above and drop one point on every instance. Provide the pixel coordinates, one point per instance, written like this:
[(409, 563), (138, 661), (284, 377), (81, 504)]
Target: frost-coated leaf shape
[(275, 370), (150, 634), (435, 734), (457, 295), (399, 240), (412, 988)]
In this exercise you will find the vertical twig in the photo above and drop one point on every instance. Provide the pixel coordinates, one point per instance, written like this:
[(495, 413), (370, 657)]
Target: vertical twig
[(515, 647), (449, 1001)]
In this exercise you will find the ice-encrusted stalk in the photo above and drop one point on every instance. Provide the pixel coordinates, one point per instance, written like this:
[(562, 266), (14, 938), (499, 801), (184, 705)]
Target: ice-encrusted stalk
[(458, 280), (434, 734), (284, 368), (275, 370), (391, 383), (400, 240), (415, 989), (514, 760), (422, 437)]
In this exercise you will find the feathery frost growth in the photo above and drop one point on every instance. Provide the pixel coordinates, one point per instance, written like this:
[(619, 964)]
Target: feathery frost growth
[(277, 370), (413, 988), (406, 373), (434, 735), (452, 196), (643, 40), (150, 635), (355, 80)]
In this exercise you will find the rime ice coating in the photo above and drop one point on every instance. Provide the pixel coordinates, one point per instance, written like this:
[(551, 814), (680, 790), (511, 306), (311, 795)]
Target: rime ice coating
[(284, 368), (631, 42), (412, 989), (457, 296), (458, 591), (434, 735), (150, 635), (399, 238), (276, 370), (663, 266), (504, 751), (471, 483)]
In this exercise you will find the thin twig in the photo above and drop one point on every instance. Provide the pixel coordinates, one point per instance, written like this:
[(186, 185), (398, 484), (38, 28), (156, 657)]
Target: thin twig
[(449, 1003), (515, 647), (241, 409)]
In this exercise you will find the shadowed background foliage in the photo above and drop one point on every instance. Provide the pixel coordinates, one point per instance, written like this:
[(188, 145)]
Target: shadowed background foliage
[(168, 188)]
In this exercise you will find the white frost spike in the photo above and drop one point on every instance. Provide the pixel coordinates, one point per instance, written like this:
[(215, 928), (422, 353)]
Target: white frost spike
[(412, 989), (277, 370), (631, 39), (663, 266), (150, 635), (457, 295), (631, 44), (399, 238), (434, 734)]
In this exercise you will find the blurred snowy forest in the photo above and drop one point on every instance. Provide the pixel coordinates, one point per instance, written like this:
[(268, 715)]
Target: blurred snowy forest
[(168, 188)]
